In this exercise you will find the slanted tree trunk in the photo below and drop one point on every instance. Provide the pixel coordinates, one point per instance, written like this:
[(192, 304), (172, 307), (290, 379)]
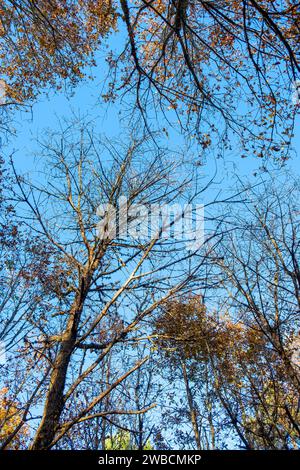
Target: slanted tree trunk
[(55, 398)]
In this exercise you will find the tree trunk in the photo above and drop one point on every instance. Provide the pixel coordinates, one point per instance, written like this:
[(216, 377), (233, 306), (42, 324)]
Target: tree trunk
[(55, 397), (193, 412)]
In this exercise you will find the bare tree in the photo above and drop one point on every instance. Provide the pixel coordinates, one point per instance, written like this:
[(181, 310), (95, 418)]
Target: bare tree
[(232, 360), (260, 261), (261, 264), (100, 290)]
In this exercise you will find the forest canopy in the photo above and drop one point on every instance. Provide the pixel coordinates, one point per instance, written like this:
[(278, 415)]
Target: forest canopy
[(150, 277)]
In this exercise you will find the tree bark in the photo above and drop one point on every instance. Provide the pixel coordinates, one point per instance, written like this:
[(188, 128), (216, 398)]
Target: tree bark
[(55, 397)]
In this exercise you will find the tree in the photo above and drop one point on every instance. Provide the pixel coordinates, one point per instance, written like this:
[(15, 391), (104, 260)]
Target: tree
[(234, 383), (241, 355), (221, 66), (236, 358), (10, 417), (260, 262), (122, 441), (43, 43), (185, 335), (100, 289), (22, 257)]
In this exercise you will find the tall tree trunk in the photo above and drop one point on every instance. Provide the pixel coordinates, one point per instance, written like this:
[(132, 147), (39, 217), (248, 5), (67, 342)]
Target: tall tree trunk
[(192, 409), (55, 397)]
